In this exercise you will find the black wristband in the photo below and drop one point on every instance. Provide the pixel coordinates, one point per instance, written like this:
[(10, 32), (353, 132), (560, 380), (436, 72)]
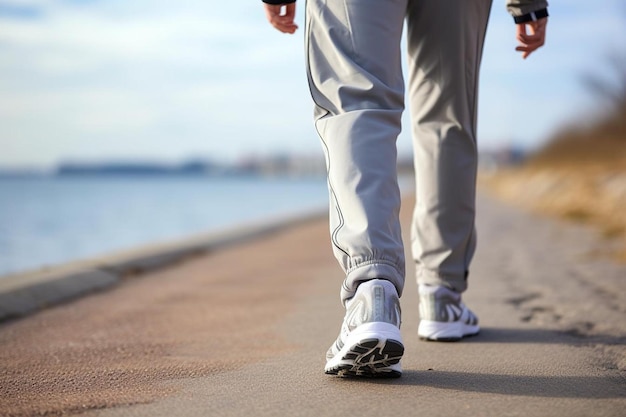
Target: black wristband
[(531, 17), (277, 2)]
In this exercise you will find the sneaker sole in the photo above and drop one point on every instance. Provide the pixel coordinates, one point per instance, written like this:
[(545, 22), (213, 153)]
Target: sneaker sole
[(373, 350), (436, 331)]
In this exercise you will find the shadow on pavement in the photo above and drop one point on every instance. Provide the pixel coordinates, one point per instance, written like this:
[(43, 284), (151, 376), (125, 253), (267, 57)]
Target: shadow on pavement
[(519, 385), (553, 386), (549, 336)]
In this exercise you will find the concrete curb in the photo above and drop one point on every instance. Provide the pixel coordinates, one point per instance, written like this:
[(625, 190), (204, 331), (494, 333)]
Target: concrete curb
[(26, 293)]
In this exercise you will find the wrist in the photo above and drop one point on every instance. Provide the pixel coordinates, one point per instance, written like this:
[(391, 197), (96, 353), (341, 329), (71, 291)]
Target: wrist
[(531, 17)]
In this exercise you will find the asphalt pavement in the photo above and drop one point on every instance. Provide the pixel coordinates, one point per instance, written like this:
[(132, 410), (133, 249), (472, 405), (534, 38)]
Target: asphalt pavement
[(244, 330)]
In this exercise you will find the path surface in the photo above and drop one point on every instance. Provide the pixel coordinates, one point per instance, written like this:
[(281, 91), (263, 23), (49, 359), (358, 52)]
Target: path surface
[(244, 331)]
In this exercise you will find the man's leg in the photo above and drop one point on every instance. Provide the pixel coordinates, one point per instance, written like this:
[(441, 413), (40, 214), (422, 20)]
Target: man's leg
[(445, 40), (355, 76)]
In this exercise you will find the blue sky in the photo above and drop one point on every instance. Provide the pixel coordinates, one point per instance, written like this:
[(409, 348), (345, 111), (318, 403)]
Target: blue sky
[(166, 81)]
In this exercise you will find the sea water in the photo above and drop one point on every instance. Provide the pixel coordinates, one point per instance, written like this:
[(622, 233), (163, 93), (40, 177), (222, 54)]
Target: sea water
[(47, 221)]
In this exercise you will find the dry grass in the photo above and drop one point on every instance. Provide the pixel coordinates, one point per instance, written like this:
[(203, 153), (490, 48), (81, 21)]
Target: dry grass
[(579, 176)]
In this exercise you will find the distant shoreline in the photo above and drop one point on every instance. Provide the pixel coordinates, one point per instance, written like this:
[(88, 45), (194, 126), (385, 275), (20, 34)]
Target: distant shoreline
[(280, 165), (149, 174)]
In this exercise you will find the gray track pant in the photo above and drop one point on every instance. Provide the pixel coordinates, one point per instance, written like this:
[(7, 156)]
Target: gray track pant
[(355, 76)]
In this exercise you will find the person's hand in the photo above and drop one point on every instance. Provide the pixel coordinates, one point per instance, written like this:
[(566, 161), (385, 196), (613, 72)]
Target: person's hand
[(531, 36), (281, 16)]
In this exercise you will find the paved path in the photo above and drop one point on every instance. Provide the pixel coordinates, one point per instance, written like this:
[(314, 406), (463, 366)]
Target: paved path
[(244, 332)]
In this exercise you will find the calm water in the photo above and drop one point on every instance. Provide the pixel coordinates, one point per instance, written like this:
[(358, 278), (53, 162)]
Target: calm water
[(50, 221)]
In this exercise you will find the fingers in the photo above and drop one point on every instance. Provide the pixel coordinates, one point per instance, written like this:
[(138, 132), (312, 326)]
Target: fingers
[(531, 36), (282, 16)]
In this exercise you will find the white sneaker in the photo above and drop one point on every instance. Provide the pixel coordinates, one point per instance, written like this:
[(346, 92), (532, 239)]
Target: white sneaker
[(443, 315), (370, 343)]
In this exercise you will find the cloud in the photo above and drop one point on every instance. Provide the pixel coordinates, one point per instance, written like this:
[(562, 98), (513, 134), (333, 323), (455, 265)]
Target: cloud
[(89, 78), (115, 75)]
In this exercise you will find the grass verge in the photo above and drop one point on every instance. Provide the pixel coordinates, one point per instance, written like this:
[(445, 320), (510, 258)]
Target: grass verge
[(580, 176)]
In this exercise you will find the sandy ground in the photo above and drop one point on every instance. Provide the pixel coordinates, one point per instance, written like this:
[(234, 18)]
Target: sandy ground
[(245, 330)]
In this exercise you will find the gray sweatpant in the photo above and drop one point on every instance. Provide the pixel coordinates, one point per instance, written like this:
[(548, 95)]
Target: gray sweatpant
[(356, 80)]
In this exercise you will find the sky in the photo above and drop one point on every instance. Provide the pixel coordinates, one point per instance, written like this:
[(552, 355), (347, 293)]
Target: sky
[(169, 81)]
